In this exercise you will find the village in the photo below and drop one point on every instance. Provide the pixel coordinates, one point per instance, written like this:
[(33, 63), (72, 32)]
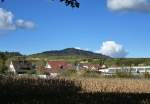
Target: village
[(52, 68)]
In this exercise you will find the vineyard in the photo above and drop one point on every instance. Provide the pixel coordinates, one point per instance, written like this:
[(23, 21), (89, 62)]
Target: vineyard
[(28, 90)]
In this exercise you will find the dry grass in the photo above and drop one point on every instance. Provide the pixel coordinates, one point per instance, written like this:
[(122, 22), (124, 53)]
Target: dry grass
[(119, 85), (114, 85), (74, 91)]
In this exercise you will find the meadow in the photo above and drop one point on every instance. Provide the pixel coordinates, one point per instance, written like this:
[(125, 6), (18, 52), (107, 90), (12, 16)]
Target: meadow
[(29, 90)]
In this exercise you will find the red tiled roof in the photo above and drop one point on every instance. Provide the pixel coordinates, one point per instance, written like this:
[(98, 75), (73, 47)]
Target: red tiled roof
[(58, 65)]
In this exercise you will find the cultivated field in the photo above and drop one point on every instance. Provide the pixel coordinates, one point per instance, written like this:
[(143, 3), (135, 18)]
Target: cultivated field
[(15, 90), (115, 85)]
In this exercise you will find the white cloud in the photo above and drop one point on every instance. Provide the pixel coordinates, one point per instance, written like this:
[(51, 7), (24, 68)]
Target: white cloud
[(25, 24), (7, 21), (111, 48), (129, 5)]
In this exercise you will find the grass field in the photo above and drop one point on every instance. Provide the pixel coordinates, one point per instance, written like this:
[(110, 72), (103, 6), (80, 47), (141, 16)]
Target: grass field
[(15, 90)]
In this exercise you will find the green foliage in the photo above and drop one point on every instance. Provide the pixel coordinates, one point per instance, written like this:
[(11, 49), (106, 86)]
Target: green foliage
[(122, 61), (39, 72), (80, 74), (68, 73), (31, 72), (4, 57), (72, 3), (128, 61), (124, 75), (38, 63), (3, 70), (91, 74), (69, 53), (7, 55)]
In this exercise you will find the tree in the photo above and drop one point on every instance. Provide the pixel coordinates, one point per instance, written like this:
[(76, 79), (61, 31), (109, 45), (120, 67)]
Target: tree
[(3, 58), (72, 3), (102, 61)]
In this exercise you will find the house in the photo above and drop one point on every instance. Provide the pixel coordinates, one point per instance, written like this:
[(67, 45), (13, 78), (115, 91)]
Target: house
[(20, 67), (53, 67)]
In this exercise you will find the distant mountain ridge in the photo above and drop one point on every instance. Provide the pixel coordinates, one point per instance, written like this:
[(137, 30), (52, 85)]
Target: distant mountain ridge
[(10, 54), (70, 52)]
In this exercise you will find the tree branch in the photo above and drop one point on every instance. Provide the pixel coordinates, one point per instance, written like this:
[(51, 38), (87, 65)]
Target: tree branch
[(72, 3)]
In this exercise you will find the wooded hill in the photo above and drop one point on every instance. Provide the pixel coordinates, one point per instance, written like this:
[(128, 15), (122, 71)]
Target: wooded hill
[(69, 52)]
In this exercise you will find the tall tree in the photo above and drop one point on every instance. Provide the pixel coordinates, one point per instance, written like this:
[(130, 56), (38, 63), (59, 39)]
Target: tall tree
[(3, 58)]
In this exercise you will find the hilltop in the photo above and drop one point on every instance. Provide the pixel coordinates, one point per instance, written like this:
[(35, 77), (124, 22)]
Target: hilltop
[(69, 52)]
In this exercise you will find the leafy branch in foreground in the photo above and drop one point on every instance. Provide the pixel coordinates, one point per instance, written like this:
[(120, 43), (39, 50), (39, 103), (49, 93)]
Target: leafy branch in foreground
[(72, 3)]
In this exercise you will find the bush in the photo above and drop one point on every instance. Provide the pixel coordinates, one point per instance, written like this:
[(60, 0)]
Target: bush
[(68, 73), (3, 70), (91, 74), (124, 75), (31, 72)]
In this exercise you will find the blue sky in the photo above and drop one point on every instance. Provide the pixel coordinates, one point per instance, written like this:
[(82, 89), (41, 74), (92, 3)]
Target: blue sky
[(57, 27)]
